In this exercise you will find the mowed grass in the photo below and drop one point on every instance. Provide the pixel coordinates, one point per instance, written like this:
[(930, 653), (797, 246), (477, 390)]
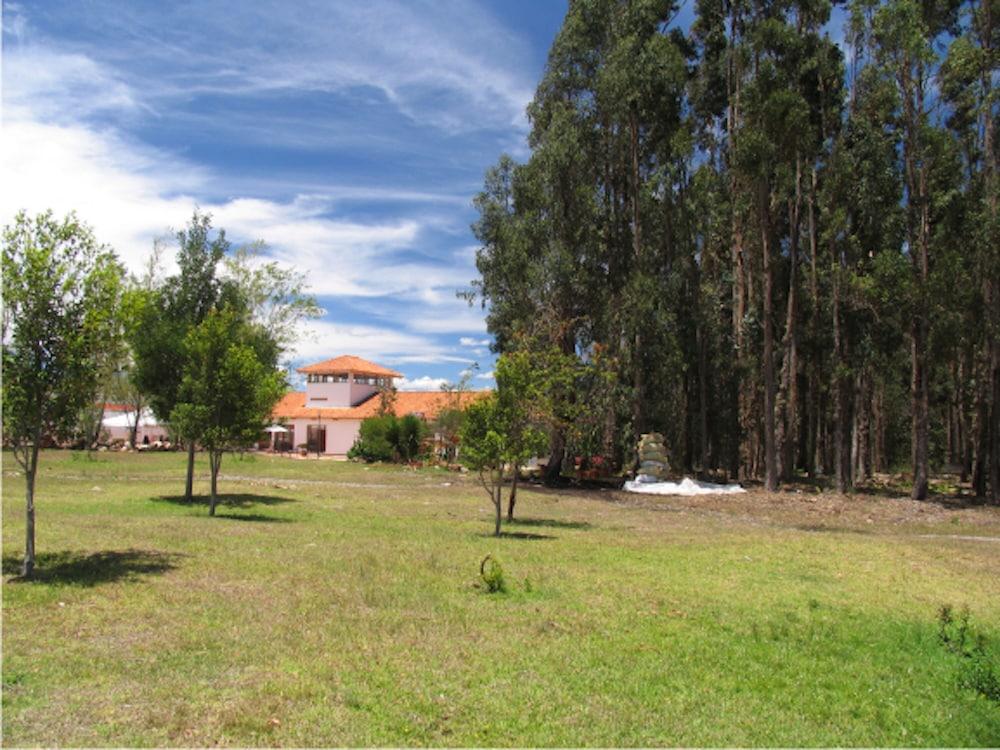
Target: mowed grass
[(336, 604)]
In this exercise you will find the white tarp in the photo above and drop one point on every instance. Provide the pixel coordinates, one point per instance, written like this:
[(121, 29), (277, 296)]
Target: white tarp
[(127, 419), (684, 487)]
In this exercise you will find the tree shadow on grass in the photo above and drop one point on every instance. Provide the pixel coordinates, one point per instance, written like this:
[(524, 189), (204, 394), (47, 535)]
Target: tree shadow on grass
[(83, 569), (522, 535), (253, 517), (232, 500), (551, 523)]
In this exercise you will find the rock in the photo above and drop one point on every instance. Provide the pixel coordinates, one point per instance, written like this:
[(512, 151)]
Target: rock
[(652, 458)]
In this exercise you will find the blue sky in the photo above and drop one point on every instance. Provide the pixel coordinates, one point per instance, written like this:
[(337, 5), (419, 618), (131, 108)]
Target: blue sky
[(351, 137)]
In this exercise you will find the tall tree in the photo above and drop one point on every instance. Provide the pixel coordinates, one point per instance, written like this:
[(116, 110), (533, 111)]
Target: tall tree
[(229, 386), (61, 293), (170, 311)]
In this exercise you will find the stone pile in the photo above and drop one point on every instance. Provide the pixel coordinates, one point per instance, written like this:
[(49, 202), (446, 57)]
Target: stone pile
[(652, 459)]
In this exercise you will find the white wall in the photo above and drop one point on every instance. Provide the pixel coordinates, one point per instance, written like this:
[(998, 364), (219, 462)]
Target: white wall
[(340, 433), (333, 394)]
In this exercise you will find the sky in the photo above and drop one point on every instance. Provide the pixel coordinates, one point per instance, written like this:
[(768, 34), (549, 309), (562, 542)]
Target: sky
[(351, 137)]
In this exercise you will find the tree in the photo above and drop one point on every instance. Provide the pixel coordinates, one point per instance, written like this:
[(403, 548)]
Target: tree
[(449, 421), (499, 430), (61, 293), (275, 296), (228, 388), (166, 314)]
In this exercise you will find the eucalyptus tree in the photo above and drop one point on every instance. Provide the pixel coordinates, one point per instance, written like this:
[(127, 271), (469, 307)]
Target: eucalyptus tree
[(904, 33), (968, 86), (61, 319)]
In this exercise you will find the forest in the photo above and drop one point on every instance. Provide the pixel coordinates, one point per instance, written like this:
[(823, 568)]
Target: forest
[(772, 236)]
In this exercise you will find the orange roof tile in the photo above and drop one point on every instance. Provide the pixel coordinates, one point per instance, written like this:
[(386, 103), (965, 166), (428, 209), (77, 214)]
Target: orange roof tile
[(351, 364), (425, 404)]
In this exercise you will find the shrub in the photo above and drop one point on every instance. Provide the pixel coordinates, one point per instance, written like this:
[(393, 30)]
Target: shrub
[(373, 440), (410, 434), (977, 671), (388, 438), (491, 572)]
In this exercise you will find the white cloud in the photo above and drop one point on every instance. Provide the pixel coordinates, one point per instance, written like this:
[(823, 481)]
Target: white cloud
[(469, 341), (454, 319), (435, 62), (131, 193), (423, 383), (323, 339), (485, 375)]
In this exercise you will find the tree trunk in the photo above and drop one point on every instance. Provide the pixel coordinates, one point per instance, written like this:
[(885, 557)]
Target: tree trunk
[(134, 431), (498, 501), (703, 399), (770, 456), (994, 441), (787, 437), (557, 451), (844, 401), (863, 431), (512, 499), (28, 566), (215, 460), (189, 486), (815, 406)]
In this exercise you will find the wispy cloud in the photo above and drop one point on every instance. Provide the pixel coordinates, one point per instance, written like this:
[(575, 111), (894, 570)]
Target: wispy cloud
[(469, 341), (434, 61), (348, 151), (423, 383)]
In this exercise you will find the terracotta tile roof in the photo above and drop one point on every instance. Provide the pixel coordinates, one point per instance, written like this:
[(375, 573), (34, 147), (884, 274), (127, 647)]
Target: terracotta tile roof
[(109, 406), (426, 404), (351, 364)]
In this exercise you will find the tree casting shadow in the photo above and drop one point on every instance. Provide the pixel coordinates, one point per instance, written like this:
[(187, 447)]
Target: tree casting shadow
[(253, 517), (522, 535), (82, 569), (232, 500), (551, 523)]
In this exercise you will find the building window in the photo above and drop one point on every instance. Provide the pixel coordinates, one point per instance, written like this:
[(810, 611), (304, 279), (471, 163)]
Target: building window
[(316, 438)]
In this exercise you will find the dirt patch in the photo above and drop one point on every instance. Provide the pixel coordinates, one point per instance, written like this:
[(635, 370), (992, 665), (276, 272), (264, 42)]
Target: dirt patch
[(824, 512)]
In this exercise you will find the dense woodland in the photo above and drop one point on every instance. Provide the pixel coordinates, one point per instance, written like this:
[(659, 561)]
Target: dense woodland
[(780, 251)]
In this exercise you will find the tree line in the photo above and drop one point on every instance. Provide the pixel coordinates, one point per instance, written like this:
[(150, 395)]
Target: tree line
[(781, 252), (201, 347)]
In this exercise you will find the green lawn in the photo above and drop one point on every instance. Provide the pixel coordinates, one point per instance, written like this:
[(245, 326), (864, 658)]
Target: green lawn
[(336, 604)]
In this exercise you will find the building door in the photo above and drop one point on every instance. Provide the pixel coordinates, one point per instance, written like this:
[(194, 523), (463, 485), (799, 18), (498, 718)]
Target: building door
[(316, 438)]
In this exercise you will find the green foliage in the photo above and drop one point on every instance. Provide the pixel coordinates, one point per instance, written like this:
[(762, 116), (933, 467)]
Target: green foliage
[(229, 385), (61, 318), (61, 326), (166, 312), (389, 438), (978, 670), (491, 573), (228, 389)]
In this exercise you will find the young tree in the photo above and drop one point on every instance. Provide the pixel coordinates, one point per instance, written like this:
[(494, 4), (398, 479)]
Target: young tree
[(61, 295), (499, 430), (228, 388), (166, 313), (484, 448)]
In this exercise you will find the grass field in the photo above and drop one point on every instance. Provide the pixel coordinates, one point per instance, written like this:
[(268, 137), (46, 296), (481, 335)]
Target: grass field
[(337, 604)]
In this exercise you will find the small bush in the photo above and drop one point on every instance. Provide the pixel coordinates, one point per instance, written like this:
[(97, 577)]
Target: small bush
[(373, 440), (491, 572), (953, 632), (978, 671)]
